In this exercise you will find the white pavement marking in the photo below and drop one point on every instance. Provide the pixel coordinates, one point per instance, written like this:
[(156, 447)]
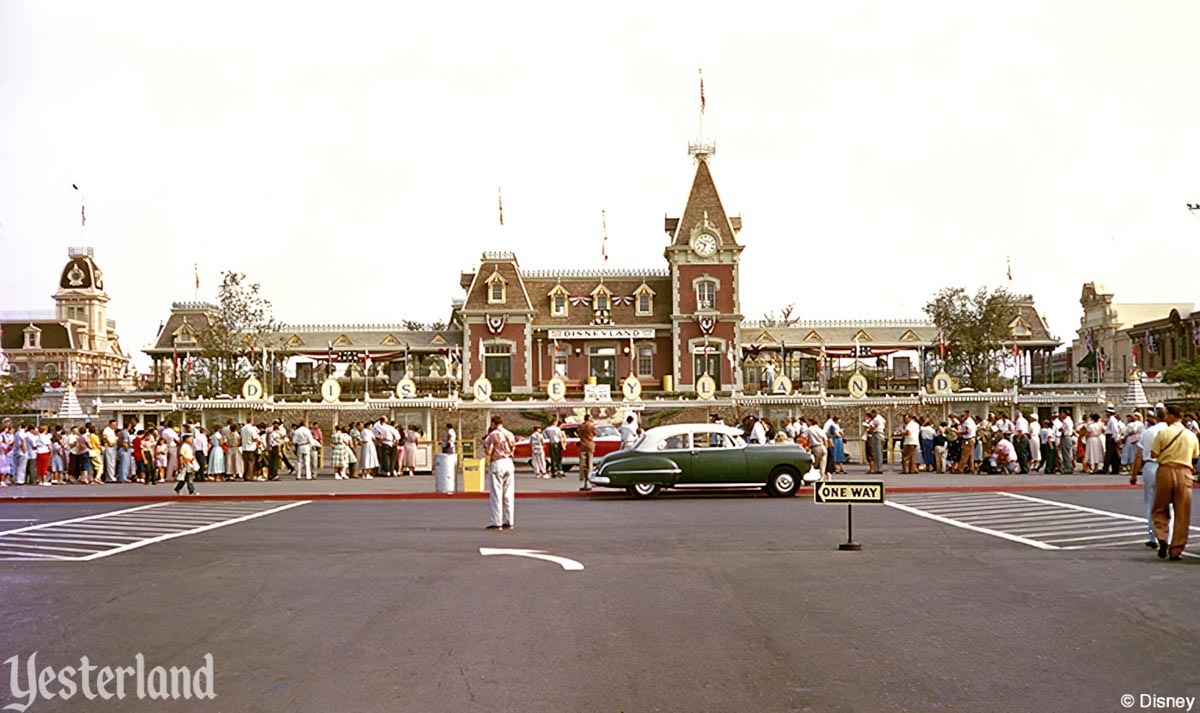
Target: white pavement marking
[(83, 519), (567, 564), (965, 526), (1044, 524), (119, 531)]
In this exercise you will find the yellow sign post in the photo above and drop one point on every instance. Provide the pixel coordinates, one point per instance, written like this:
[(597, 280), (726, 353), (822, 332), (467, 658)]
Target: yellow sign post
[(631, 387), (858, 386), (406, 388), (252, 389), (556, 389), (331, 391)]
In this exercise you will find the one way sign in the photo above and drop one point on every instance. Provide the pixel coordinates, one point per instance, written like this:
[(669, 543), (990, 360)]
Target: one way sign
[(849, 491)]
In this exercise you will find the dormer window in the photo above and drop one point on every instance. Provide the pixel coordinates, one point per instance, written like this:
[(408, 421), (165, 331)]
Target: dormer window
[(558, 301), (496, 287), (601, 298), (33, 337), (643, 301)]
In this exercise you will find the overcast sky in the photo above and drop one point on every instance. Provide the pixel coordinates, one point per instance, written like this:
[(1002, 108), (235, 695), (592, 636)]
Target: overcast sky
[(347, 155)]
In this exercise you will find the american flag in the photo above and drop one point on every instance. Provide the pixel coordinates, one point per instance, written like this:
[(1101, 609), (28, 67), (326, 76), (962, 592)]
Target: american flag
[(701, 91), (604, 228)]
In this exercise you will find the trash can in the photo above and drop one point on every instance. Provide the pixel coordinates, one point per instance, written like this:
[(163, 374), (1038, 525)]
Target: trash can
[(668, 382), (443, 472), (473, 475)]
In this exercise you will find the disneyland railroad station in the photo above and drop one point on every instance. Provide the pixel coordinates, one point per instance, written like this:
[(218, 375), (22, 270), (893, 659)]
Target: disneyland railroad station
[(670, 342)]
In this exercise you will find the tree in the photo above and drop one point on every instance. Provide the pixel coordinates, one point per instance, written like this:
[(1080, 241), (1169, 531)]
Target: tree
[(1186, 373), (977, 332), (16, 395), (242, 326), (781, 318)]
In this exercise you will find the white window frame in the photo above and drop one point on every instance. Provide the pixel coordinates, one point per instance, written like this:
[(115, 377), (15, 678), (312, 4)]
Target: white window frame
[(709, 305), (645, 352), (496, 279)]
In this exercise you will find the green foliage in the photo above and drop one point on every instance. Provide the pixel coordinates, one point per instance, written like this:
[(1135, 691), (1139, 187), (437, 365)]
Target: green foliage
[(654, 420), (17, 394), (1186, 373), (242, 323), (977, 333)]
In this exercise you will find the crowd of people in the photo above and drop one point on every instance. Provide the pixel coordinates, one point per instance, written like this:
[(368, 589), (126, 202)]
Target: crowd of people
[(52, 455), (993, 444)]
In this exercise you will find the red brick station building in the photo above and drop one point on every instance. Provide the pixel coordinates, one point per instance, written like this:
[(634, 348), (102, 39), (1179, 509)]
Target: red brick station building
[(666, 326)]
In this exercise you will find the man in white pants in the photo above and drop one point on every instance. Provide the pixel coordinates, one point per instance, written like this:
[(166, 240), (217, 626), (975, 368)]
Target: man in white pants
[(302, 439), (499, 446)]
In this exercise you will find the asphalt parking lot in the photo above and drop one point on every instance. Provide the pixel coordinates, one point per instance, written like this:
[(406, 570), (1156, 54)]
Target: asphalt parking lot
[(701, 603)]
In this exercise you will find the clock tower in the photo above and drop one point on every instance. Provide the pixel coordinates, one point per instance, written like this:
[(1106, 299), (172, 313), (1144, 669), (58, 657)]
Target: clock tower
[(703, 256)]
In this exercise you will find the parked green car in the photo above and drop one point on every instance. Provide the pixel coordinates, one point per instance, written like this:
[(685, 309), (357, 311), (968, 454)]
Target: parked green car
[(703, 455)]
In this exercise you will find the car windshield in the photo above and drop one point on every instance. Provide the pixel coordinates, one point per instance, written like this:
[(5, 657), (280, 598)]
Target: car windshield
[(637, 445), (605, 430)]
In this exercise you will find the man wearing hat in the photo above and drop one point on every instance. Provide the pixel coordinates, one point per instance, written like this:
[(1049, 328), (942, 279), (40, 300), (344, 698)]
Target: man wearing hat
[(274, 450), (1112, 434), (1144, 461)]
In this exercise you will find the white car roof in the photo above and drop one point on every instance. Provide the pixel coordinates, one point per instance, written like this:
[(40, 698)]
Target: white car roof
[(657, 435)]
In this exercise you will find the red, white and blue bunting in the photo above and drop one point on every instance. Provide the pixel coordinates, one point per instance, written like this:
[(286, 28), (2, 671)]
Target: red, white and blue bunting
[(496, 324)]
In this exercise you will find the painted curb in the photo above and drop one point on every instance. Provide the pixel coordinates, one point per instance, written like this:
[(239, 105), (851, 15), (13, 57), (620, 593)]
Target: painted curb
[(803, 492)]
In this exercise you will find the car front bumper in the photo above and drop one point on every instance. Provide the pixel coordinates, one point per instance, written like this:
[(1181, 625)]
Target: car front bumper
[(596, 479)]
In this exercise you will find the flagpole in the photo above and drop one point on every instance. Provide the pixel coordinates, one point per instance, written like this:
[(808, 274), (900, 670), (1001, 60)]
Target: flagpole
[(604, 244), (82, 214), (700, 137)]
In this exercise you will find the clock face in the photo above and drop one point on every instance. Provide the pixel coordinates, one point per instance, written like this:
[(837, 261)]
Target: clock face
[(705, 245)]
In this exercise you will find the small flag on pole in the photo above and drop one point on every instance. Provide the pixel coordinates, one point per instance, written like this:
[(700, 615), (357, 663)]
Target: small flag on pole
[(701, 91), (82, 208), (1009, 261), (196, 270), (942, 347), (481, 350), (500, 201), (604, 228)]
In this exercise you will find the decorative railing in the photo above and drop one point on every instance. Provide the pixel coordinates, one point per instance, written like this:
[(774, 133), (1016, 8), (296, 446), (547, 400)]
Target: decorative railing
[(542, 274), (865, 323)]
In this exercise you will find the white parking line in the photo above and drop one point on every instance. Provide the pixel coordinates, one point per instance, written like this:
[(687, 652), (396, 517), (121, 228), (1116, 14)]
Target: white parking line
[(1044, 524), (84, 519), (107, 534)]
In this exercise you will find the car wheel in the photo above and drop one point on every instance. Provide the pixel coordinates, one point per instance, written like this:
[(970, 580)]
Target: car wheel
[(567, 468), (784, 482), (644, 490)]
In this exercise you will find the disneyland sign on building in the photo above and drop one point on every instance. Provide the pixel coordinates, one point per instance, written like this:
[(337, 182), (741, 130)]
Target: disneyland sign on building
[(567, 334)]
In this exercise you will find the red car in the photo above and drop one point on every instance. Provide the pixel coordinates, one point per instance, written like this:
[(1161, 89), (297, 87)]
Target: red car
[(607, 441)]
